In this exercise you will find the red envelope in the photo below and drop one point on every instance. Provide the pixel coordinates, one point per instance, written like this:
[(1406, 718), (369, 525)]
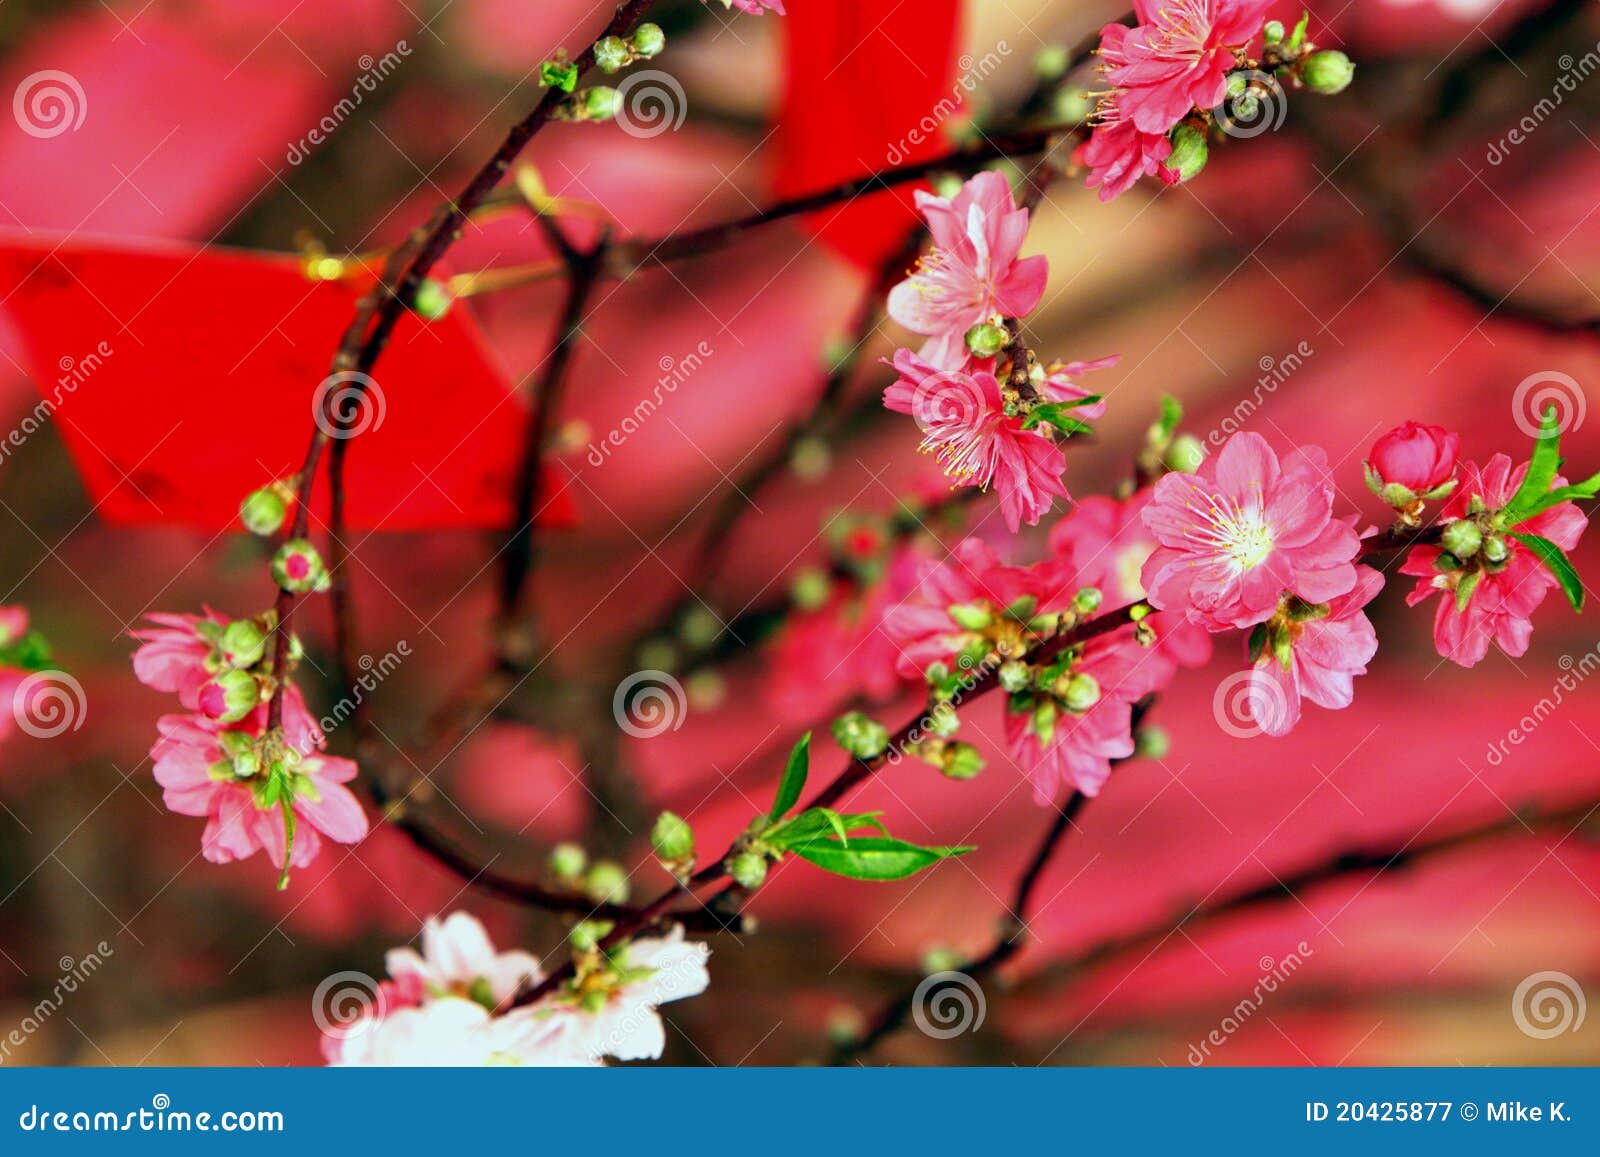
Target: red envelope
[(182, 378), (868, 86)]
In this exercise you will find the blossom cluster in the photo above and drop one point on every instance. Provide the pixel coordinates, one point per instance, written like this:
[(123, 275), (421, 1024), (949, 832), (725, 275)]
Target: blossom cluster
[(260, 788), (1171, 72), (456, 1003), (986, 409)]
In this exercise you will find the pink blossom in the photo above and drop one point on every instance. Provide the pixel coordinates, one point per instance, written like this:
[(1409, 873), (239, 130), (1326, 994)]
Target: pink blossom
[(973, 273), (756, 7), (458, 958), (1105, 543), (197, 776), (1060, 750), (1324, 654), (1500, 606), (921, 625), (963, 422), (1118, 153), (1419, 458), (1179, 56), (1244, 530), (452, 1032), (175, 654)]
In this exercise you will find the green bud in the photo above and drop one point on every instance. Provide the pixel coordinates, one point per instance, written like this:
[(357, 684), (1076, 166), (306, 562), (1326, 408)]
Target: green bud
[(594, 1002), (567, 861), (986, 340), (1495, 549), (612, 54), (1272, 32), (943, 721), (748, 869), (600, 103), (1236, 84), (229, 696), (972, 616), (699, 626), (559, 74), (947, 185), (587, 934), (1088, 600), (942, 958), (861, 736), (263, 511), (1185, 454), (810, 460), (1082, 692), (1328, 72), (298, 567), (706, 690), (242, 643), (1151, 743), (1015, 676), (432, 299), (1462, 538), (1051, 62), (845, 1026), (606, 882), (672, 837), (1072, 106), (810, 589), (1189, 152), (937, 673), (649, 40), (960, 761)]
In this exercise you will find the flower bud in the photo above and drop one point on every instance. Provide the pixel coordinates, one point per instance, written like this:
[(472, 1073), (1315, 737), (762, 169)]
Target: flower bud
[(810, 589), (1151, 743), (1051, 62), (748, 869), (229, 696), (1185, 454), (1272, 32), (298, 567), (810, 460), (600, 103), (944, 721), (606, 882), (243, 642), (567, 861), (960, 761), (612, 54), (1414, 457), (1082, 692), (1328, 72), (263, 511), (431, 300), (1495, 549), (1015, 676), (1462, 538), (13, 625), (1087, 601), (861, 736), (1189, 152), (986, 340), (587, 934), (559, 74), (672, 837), (649, 40)]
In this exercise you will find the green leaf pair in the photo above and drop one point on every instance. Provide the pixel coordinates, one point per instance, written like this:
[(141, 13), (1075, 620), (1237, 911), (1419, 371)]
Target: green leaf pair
[(1535, 496)]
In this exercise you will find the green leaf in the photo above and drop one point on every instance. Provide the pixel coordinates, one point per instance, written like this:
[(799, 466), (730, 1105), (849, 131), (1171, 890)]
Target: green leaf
[(815, 824), (794, 779), (873, 857), (1541, 470), (1556, 560), (1298, 36), (1171, 415), (1585, 489), (1055, 414)]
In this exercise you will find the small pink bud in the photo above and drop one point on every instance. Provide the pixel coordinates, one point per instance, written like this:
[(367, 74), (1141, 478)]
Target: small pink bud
[(1419, 458), (13, 624), (229, 697)]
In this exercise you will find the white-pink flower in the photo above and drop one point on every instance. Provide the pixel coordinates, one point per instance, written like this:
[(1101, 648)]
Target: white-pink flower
[(974, 272)]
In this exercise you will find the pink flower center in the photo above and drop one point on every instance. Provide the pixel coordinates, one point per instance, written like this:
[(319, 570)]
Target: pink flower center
[(1183, 29)]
